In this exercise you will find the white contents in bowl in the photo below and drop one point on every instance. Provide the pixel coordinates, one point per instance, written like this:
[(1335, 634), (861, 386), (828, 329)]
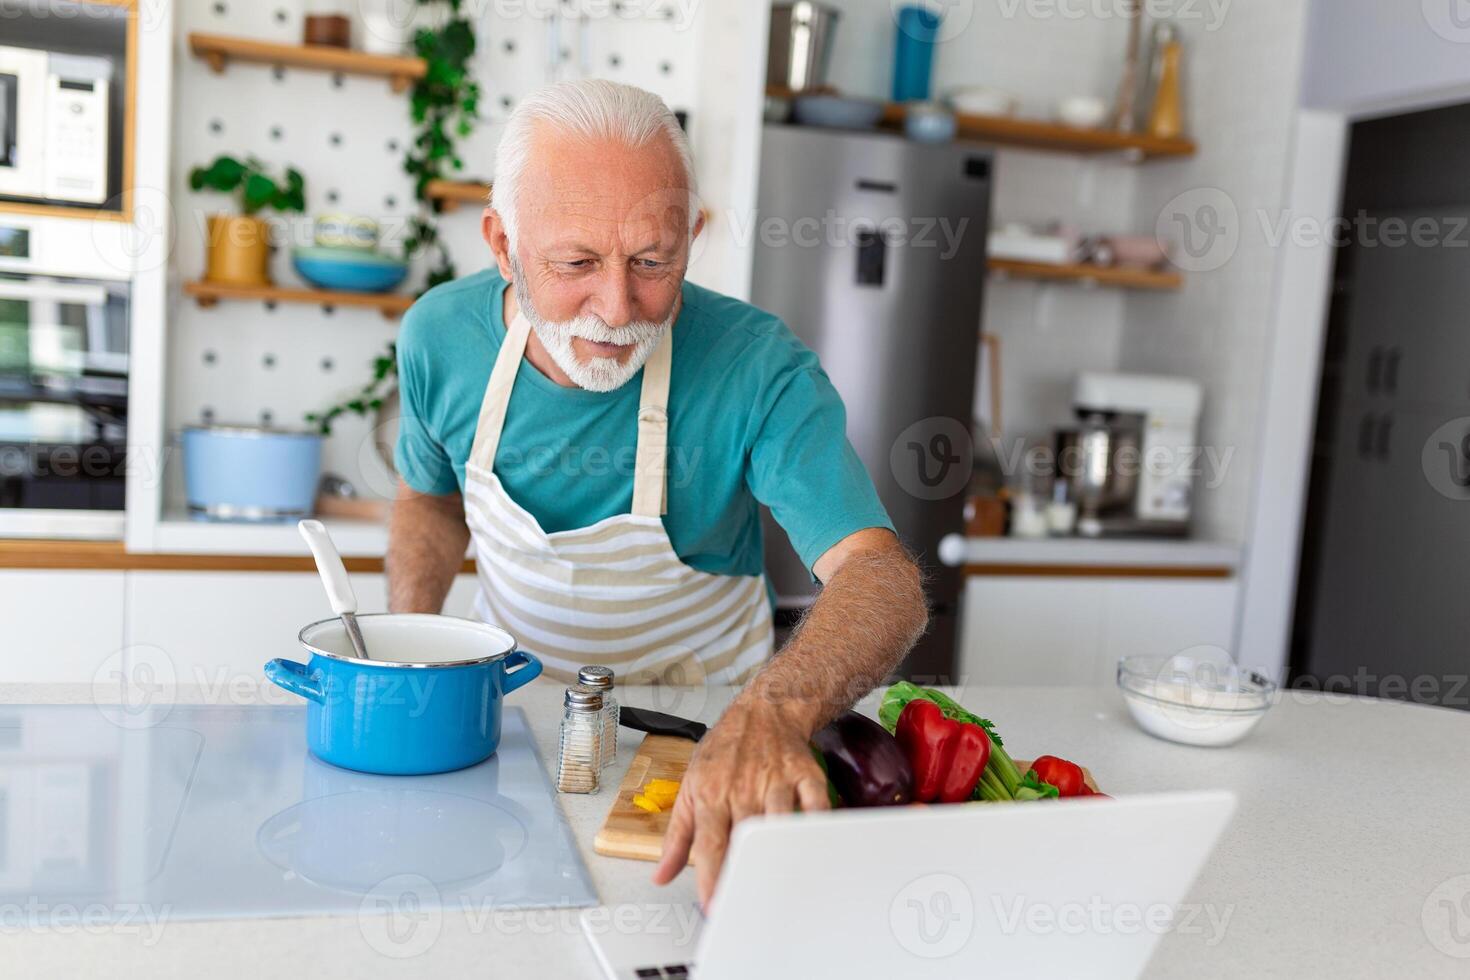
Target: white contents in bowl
[(1191, 702)]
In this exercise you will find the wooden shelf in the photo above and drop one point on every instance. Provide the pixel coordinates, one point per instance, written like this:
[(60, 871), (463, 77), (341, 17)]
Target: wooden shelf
[(206, 294), (1090, 275), (218, 51), (1036, 134), (73, 555), (78, 211), (452, 193)]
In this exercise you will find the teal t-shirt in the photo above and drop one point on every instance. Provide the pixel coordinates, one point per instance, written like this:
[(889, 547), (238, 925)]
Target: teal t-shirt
[(752, 419)]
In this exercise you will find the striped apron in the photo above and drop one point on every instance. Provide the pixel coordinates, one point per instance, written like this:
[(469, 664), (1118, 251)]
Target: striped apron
[(614, 593)]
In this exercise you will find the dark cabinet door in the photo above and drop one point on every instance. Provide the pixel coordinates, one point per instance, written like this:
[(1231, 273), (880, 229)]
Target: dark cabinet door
[(1408, 336), (1349, 605), (1390, 610)]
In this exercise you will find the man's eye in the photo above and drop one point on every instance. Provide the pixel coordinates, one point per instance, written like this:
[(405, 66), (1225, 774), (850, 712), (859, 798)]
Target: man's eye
[(650, 264), (578, 263)]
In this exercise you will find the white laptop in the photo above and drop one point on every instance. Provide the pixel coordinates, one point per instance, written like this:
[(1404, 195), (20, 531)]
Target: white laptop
[(1073, 888)]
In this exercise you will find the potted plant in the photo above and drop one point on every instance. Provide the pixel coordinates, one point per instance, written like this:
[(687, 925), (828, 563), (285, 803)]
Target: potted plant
[(239, 244)]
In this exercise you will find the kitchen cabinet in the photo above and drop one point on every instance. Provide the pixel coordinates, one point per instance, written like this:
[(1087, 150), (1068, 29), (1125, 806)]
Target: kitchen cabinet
[(1038, 629), (211, 628), (60, 626)]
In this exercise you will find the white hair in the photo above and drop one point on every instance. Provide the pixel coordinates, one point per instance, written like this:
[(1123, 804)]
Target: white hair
[(593, 108)]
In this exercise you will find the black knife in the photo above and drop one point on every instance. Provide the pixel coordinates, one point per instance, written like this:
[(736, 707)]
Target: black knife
[(658, 723)]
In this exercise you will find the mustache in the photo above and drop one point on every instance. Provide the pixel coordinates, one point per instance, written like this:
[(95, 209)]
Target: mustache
[(595, 329)]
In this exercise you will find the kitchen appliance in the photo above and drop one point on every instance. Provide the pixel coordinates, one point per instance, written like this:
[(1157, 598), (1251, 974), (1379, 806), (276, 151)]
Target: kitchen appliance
[(887, 292), (928, 883), (54, 127), (1131, 461), (63, 381), (428, 701), (154, 813), (800, 45), (250, 472)]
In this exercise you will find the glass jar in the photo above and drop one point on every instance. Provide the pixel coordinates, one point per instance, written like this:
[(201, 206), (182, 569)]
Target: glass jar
[(601, 679), (581, 734)]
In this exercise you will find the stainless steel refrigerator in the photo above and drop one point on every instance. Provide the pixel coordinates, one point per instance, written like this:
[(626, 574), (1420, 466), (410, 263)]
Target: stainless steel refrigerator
[(872, 248)]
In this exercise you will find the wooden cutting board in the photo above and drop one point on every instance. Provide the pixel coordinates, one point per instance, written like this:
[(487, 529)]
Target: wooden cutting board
[(629, 832)]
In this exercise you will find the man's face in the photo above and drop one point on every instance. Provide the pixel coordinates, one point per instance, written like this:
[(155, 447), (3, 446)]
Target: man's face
[(603, 233)]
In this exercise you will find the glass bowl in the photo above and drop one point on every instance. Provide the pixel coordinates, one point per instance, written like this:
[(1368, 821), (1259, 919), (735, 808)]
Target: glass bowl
[(1194, 700)]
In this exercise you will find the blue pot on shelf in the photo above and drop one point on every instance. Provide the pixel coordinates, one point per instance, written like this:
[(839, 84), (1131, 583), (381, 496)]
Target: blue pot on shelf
[(428, 701), (250, 472)]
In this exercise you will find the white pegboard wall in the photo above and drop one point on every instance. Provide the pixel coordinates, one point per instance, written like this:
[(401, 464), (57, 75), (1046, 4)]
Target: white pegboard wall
[(249, 362)]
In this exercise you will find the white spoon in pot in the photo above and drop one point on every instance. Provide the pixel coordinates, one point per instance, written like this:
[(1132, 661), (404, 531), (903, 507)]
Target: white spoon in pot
[(334, 576)]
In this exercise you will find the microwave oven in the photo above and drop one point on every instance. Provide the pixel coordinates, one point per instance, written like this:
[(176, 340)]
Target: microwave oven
[(54, 134)]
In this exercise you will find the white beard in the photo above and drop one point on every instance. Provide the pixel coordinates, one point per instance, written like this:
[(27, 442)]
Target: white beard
[(596, 373)]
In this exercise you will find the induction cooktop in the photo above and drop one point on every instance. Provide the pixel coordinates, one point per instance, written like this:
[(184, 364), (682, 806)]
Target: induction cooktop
[(187, 812)]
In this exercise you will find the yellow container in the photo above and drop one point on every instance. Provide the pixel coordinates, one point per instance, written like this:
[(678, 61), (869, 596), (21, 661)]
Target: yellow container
[(239, 251)]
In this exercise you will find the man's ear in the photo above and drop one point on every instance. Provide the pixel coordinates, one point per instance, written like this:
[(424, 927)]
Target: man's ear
[(492, 229), (699, 223)]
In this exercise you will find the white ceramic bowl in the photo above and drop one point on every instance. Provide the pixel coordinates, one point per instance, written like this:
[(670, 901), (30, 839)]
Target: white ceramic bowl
[(1082, 111), (981, 101), (1193, 701)]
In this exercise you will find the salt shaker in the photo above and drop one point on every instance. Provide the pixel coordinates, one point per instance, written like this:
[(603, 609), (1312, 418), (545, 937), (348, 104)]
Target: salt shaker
[(581, 733), (601, 678)]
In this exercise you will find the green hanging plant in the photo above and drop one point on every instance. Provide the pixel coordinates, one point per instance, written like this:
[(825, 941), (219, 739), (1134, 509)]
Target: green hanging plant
[(444, 103), (369, 398)]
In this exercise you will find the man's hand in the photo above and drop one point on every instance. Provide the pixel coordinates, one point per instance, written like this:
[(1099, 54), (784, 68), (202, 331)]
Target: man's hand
[(754, 761), (757, 759)]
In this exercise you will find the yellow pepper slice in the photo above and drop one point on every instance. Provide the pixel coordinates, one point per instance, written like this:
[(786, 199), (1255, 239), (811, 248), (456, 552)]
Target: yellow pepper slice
[(644, 803), (662, 791)]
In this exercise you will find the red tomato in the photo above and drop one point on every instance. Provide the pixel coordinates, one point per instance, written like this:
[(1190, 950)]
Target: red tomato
[(1065, 776)]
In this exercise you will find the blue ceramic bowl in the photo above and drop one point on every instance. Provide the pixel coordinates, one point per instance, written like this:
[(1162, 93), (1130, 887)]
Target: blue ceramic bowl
[(428, 701), (348, 269), (836, 112)]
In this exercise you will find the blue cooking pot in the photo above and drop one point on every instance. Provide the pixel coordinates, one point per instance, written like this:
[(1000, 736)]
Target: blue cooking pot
[(428, 700)]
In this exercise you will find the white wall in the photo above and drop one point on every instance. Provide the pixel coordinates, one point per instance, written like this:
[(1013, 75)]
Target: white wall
[(1242, 80), (1369, 55)]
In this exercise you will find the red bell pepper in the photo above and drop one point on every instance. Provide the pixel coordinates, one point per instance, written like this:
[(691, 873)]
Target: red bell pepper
[(1065, 776), (947, 756)]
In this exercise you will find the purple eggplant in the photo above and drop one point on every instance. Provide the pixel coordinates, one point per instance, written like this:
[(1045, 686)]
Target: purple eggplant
[(864, 762)]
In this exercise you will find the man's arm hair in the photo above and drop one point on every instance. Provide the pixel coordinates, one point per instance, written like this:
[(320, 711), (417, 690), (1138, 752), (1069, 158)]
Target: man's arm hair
[(427, 538), (868, 616)]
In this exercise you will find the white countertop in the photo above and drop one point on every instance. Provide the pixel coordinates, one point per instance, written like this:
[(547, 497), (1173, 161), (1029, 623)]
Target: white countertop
[(1110, 552), (1349, 835)]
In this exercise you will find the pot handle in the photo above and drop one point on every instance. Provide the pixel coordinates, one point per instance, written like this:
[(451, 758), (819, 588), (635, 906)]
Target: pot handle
[(295, 678), (528, 673)]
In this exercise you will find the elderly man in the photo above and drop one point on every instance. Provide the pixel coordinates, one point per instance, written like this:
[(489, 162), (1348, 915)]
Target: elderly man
[(541, 401)]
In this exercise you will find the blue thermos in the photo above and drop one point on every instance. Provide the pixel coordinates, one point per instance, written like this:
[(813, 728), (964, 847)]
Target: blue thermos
[(913, 54)]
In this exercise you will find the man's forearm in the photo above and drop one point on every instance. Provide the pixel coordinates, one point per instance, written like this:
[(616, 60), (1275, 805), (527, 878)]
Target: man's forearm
[(427, 537), (862, 624)]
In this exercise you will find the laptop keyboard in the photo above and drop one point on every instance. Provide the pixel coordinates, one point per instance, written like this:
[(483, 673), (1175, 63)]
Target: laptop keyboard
[(677, 971)]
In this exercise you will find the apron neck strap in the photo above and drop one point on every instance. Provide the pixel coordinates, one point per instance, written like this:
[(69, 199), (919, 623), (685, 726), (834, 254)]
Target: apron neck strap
[(497, 393), (650, 475)]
